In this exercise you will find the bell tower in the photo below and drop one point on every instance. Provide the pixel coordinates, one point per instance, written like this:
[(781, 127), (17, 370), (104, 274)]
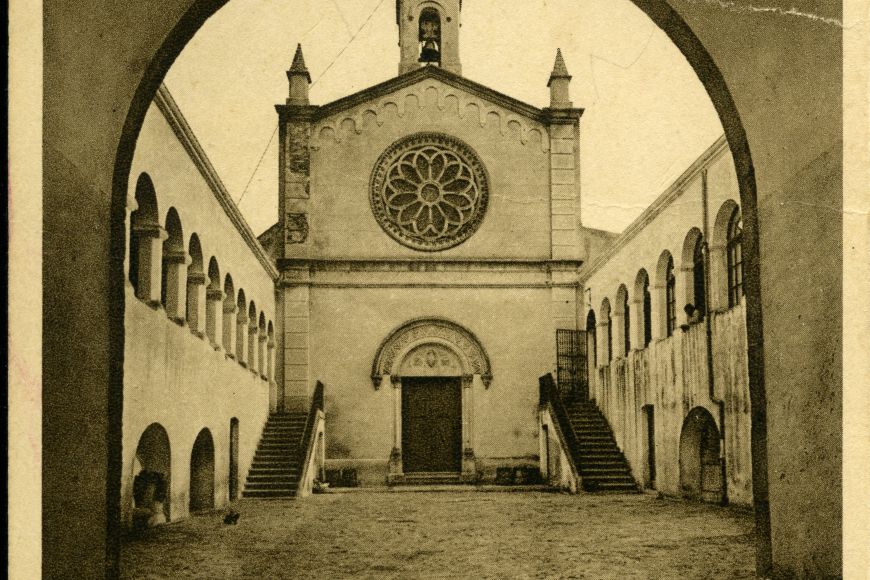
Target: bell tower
[(429, 34)]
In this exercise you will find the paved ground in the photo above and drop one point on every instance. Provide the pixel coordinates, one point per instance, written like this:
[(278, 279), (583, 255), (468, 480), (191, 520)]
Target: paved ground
[(452, 535)]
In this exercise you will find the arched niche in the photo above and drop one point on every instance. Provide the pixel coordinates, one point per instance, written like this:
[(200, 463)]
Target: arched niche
[(700, 461), (441, 336)]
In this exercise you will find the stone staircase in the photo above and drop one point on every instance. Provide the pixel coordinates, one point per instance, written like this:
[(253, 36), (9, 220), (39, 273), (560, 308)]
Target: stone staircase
[(275, 470), (602, 465)]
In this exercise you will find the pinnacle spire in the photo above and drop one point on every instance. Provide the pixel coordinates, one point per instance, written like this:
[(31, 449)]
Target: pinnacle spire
[(560, 71), (298, 66)]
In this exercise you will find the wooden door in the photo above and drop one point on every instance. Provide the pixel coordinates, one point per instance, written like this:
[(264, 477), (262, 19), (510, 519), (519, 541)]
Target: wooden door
[(431, 424)]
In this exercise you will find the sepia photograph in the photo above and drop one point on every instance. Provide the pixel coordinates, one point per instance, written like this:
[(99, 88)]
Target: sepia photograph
[(439, 289)]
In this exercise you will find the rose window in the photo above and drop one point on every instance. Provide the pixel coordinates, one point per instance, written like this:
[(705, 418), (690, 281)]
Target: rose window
[(429, 192)]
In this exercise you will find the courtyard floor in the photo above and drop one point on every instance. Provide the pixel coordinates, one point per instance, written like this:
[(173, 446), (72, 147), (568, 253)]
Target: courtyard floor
[(452, 535)]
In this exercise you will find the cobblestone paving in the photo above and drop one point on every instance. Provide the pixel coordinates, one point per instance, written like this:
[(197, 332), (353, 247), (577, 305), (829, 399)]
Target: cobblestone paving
[(452, 535)]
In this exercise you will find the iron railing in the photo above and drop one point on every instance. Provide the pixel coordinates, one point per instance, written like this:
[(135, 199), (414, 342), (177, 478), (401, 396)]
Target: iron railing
[(306, 445)]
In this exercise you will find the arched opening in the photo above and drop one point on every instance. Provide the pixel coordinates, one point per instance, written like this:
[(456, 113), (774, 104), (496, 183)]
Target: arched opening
[(196, 288), (700, 467), (229, 317), (679, 32), (591, 346), (734, 250), (607, 330), (214, 304), (152, 470), (202, 473), (261, 346), (693, 276), (643, 307), (234, 459), (241, 328), (623, 312), (666, 288), (253, 338), (720, 273), (145, 235), (430, 36), (173, 279), (270, 354)]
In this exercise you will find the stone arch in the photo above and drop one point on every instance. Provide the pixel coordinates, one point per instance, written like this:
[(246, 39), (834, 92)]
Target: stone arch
[(173, 275), (241, 327), (431, 331), (228, 321), (253, 338), (623, 322), (719, 255), (214, 303), (591, 344), (700, 462), (605, 329), (152, 469), (643, 320), (234, 459), (692, 274), (179, 31), (196, 287), (202, 472), (664, 306), (145, 232)]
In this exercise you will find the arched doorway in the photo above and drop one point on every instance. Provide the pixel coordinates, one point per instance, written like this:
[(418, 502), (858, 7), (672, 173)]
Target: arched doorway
[(202, 473), (434, 366), (700, 463), (152, 469)]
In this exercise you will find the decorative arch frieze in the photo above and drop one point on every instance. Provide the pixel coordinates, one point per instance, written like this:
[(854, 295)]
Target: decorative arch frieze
[(441, 334), (446, 100)]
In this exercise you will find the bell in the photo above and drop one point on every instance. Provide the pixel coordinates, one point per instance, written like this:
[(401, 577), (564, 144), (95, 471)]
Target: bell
[(430, 52)]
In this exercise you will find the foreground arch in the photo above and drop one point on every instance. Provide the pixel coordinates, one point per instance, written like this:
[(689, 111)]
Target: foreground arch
[(157, 32), (154, 455)]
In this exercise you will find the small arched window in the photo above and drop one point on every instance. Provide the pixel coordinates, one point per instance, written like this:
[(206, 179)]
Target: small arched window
[(591, 340), (735, 259), (698, 279), (670, 298), (647, 312), (430, 36)]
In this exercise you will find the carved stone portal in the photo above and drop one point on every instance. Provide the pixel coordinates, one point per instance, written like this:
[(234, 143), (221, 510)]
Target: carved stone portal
[(431, 347)]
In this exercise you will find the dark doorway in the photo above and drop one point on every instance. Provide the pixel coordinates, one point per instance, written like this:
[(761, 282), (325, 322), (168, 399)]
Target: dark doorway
[(202, 473), (700, 462), (432, 424), (649, 419), (234, 459)]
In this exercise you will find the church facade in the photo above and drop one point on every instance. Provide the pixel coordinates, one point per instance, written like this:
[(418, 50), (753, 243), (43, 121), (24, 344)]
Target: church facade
[(429, 242), (428, 260)]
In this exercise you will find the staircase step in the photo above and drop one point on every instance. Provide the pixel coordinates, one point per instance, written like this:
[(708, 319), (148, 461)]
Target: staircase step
[(602, 465), (270, 493), (274, 472)]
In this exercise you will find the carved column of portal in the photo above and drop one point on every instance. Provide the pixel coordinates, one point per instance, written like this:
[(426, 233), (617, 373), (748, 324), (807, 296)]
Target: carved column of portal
[(469, 463), (395, 470)]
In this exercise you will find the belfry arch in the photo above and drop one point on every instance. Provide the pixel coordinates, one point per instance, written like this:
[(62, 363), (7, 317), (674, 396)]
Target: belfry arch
[(434, 366)]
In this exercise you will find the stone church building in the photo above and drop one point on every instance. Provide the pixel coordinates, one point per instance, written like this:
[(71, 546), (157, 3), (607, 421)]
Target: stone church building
[(428, 271)]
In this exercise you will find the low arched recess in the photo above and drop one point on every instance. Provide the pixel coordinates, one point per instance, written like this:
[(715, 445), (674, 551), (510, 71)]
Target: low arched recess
[(436, 331)]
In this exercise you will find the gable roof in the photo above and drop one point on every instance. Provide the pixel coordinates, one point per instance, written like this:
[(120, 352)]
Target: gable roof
[(431, 72)]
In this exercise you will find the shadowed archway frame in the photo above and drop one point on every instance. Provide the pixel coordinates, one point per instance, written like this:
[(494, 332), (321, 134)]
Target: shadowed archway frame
[(666, 18)]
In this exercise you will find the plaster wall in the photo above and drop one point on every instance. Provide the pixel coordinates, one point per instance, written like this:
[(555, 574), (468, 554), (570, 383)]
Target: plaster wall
[(177, 379), (349, 325), (514, 149), (671, 375)]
